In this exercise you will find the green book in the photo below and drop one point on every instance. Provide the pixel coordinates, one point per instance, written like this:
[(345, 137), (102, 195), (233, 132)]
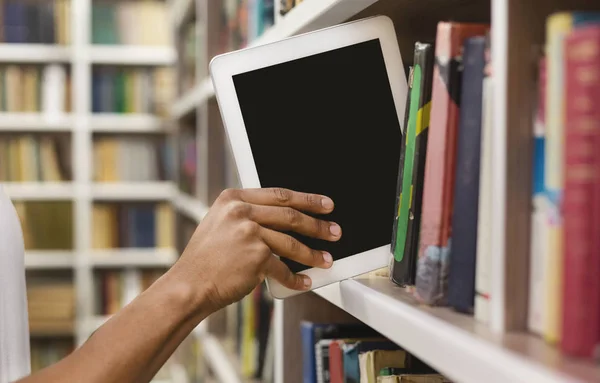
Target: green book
[(413, 168)]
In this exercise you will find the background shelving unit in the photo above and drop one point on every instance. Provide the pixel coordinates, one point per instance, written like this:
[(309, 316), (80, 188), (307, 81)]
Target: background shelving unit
[(457, 345)]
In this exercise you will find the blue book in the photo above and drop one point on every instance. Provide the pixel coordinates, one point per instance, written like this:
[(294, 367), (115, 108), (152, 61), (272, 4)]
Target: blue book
[(144, 226), (15, 26), (461, 283)]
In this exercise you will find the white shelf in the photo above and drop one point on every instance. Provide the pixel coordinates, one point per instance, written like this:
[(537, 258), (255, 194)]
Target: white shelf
[(219, 360), (190, 206), (133, 258), (34, 53), (445, 339), (49, 259), (127, 123), (311, 15), (39, 190), (149, 191), (132, 55), (35, 121), (193, 98)]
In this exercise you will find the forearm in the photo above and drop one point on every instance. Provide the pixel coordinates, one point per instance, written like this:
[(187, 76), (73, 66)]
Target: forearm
[(133, 341)]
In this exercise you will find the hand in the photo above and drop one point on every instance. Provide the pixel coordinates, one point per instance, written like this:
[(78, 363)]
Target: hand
[(232, 249)]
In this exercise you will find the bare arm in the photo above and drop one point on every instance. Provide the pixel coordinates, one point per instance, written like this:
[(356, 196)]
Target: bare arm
[(230, 253)]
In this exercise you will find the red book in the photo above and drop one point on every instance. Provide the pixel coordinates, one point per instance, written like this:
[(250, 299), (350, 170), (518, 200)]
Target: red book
[(581, 204), (336, 363), (438, 191)]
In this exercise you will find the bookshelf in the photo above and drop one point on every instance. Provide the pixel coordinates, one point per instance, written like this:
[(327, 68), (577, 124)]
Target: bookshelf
[(460, 347), (79, 55)]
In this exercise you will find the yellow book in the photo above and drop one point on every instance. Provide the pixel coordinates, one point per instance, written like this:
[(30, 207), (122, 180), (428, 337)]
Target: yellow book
[(66, 22), (30, 89), (99, 214), (557, 27), (165, 226), (50, 170), (13, 88), (129, 91)]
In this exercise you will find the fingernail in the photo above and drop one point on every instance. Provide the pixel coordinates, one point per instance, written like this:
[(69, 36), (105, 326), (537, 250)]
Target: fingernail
[(327, 258), (327, 203), (307, 282), (335, 229)]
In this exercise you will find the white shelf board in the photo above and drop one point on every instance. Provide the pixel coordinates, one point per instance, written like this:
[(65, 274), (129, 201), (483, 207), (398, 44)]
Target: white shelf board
[(181, 10), (34, 53), (190, 206), (139, 191), (132, 55), (311, 15), (219, 360), (39, 190), (193, 98), (455, 344), (49, 259), (126, 123), (35, 121), (133, 258), (93, 323)]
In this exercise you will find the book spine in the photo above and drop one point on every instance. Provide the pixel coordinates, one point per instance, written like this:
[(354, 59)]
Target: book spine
[(483, 260), (558, 25), (461, 284), (434, 241), (401, 165), (413, 167), (580, 332), (535, 317)]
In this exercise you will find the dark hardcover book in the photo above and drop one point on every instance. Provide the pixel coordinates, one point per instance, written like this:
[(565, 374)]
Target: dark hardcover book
[(144, 226), (461, 283), (46, 22), (32, 18), (401, 167), (407, 236)]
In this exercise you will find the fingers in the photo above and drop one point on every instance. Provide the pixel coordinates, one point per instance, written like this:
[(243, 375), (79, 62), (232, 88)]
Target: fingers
[(287, 246), (313, 203), (280, 272), (290, 219)]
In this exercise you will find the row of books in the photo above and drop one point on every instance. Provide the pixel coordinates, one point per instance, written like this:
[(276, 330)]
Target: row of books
[(355, 353), (114, 289), (34, 88), (48, 351), (440, 240), (564, 296), (44, 22), (188, 58), (132, 90), (133, 159), (29, 157), (242, 21), (143, 22), (51, 305), (133, 225)]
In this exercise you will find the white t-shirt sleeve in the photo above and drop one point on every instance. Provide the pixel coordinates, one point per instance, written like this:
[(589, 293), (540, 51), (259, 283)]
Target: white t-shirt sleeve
[(14, 324)]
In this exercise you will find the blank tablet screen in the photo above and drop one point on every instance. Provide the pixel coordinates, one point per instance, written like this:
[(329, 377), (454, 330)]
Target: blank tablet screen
[(327, 124)]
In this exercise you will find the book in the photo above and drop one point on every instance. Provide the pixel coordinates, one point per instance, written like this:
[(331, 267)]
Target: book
[(558, 25), (461, 283), (537, 272), (434, 238), (580, 321), (413, 167), (484, 249)]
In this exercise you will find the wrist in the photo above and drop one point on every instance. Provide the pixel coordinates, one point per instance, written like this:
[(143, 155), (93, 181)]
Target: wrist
[(189, 292)]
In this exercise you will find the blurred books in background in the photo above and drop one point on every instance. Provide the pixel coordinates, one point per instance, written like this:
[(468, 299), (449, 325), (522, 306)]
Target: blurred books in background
[(42, 21)]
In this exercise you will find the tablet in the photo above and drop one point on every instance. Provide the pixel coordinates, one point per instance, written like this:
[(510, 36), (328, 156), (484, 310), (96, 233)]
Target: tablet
[(321, 113)]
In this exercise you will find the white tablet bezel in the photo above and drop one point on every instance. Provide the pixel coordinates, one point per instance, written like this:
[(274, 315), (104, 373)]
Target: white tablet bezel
[(224, 67)]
